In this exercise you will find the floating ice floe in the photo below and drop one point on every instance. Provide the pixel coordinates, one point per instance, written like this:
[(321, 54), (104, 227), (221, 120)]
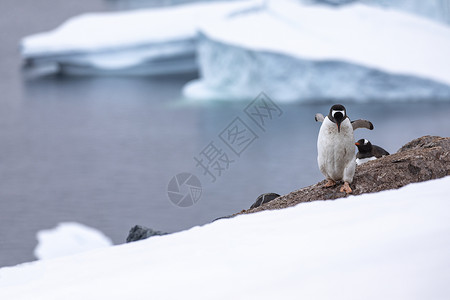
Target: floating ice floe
[(148, 41), (67, 239), (297, 52)]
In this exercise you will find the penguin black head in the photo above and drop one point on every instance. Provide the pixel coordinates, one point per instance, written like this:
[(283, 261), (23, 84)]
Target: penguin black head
[(364, 146), (337, 115)]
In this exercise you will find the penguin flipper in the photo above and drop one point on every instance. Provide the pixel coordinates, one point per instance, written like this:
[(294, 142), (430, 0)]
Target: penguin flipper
[(319, 117), (362, 124)]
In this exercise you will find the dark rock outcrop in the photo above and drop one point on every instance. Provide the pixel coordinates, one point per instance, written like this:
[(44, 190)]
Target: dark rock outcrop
[(140, 233), (422, 159), (263, 199)]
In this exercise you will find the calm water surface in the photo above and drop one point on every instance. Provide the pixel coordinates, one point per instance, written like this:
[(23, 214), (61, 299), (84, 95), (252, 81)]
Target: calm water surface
[(101, 151)]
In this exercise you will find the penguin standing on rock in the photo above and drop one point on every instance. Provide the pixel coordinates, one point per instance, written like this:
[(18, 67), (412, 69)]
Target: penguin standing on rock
[(368, 152), (336, 146)]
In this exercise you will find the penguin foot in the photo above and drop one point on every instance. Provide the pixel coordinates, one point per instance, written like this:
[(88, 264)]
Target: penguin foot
[(346, 188), (330, 183)]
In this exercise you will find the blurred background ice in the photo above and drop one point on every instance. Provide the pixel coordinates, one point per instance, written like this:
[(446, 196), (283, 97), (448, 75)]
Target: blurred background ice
[(307, 53), (68, 238), (100, 150)]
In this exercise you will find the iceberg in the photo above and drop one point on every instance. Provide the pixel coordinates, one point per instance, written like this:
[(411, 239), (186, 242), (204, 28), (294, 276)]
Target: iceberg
[(69, 238), (437, 10), (302, 52), (388, 245), (139, 42)]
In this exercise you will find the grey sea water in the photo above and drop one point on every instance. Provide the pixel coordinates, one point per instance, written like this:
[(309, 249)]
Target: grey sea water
[(102, 150)]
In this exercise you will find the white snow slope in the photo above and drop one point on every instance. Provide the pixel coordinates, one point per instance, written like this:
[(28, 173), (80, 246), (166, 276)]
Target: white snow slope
[(388, 245)]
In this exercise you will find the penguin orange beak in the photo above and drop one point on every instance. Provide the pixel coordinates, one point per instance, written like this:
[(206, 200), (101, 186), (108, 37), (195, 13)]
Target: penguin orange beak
[(357, 144)]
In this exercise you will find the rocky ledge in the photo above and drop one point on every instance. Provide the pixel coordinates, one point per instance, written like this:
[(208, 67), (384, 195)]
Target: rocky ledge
[(140, 233), (421, 159)]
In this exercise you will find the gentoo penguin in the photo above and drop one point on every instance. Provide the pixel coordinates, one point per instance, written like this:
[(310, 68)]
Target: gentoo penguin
[(367, 151), (335, 147)]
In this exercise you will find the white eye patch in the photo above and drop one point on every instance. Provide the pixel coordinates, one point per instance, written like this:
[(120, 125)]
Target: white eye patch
[(366, 142), (333, 112)]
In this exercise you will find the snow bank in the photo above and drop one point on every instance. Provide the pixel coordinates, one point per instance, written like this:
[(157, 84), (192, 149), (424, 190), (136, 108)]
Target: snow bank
[(67, 239), (148, 41), (301, 52), (388, 245)]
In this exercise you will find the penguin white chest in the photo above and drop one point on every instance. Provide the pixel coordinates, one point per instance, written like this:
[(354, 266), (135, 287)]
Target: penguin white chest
[(336, 150), (360, 161)]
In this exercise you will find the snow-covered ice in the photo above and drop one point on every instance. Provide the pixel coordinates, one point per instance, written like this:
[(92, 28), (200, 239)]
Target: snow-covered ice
[(147, 41), (297, 52), (437, 10), (69, 238), (388, 245)]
